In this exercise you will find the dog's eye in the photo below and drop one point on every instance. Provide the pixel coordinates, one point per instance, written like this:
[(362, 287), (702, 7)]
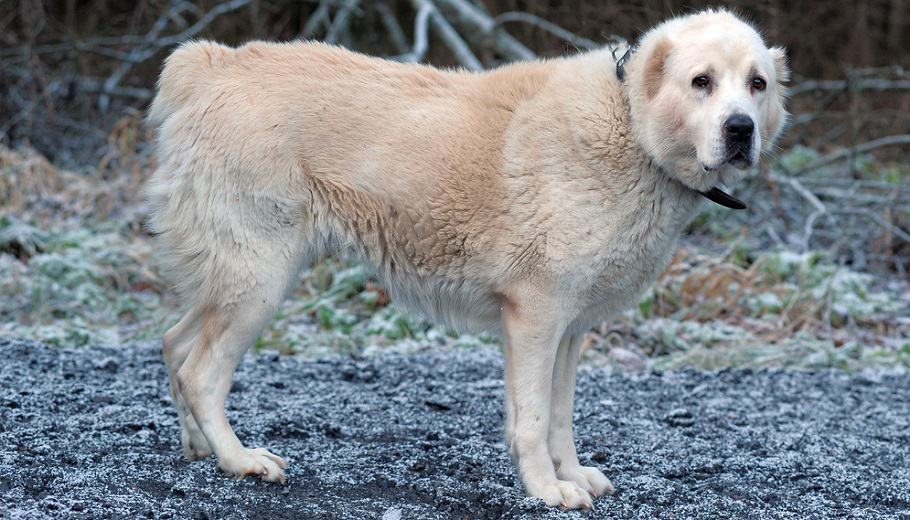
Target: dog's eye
[(701, 81), (759, 84)]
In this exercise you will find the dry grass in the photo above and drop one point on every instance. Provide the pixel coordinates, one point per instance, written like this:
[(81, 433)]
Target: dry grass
[(31, 185)]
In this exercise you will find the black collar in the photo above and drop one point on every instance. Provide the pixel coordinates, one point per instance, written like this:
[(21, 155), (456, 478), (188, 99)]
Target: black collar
[(621, 61), (719, 196)]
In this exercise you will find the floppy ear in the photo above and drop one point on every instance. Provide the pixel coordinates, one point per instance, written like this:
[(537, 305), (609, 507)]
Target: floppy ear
[(776, 115), (779, 55), (654, 67)]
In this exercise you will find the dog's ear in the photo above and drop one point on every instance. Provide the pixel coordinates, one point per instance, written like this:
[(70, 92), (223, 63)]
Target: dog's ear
[(776, 116), (779, 55), (654, 67)]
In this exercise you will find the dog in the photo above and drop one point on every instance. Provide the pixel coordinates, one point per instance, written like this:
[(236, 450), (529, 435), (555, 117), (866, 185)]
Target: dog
[(533, 200)]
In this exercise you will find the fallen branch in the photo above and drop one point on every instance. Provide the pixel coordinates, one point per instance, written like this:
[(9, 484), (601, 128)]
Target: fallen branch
[(450, 36), (396, 33), (317, 18), (876, 84), (203, 22), (882, 142), (421, 39), (470, 15), (820, 208), (900, 233), (341, 22), (801, 190), (548, 26), (155, 43)]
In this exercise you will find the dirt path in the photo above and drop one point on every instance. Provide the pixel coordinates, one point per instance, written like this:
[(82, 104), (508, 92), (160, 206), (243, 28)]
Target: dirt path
[(90, 433)]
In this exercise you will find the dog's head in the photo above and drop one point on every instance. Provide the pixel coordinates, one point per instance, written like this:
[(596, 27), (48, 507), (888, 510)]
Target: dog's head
[(706, 96)]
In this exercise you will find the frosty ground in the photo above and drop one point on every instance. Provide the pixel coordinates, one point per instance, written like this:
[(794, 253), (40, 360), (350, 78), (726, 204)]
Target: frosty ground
[(90, 433)]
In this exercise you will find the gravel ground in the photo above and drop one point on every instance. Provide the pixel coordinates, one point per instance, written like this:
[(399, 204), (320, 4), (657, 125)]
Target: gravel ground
[(90, 433)]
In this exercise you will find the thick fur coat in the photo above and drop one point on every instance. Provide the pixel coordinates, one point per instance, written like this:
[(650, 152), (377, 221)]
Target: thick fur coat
[(533, 201)]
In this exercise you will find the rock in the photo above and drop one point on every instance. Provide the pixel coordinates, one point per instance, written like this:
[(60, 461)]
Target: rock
[(392, 513), (627, 358), (679, 417), (108, 364)]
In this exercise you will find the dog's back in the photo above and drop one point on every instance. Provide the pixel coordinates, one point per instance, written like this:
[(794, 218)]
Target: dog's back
[(273, 154)]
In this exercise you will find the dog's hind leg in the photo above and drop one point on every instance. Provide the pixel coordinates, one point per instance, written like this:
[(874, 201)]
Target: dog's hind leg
[(533, 336), (178, 341), (242, 305), (561, 442)]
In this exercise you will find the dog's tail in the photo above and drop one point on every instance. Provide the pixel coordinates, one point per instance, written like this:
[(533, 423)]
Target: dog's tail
[(186, 70)]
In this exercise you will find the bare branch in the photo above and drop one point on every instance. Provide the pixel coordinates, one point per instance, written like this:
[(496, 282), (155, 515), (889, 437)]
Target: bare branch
[(203, 22), (341, 22), (891, 140), (396, 33), (900, 233), (801, 190), (316, 19), (450, 36), (154, 43), (876, 84), (550, 27), (421, 38), (94, 85), (469, 14)]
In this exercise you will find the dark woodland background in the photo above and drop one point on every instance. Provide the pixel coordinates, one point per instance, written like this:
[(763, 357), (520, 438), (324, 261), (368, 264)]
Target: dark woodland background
[(55, 55)]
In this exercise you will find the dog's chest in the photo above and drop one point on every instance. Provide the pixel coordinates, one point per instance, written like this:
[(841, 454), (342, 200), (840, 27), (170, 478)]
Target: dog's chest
[(618, 254), (625, 272)]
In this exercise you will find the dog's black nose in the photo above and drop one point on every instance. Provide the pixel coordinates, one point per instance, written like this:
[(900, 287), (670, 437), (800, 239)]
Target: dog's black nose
[(739, 127)]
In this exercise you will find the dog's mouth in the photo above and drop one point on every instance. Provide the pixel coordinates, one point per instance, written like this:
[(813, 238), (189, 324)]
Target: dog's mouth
[(719, 196), (739, 160)]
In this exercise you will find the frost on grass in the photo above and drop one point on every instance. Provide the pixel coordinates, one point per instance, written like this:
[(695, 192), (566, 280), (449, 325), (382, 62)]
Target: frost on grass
[(341, 308), (80, 286), (76, 268), (74, 264), (765, 309)]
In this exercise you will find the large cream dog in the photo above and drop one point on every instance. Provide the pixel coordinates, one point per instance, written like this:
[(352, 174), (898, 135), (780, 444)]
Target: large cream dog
[(534, 200)]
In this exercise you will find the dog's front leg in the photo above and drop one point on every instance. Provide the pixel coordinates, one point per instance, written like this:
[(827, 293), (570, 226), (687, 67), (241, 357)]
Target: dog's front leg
[(562, 445), (532, 340)]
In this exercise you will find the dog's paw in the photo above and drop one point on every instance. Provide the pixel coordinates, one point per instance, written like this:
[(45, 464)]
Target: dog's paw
[(588, 478), (257, 462), (565, 494), (195, 447)]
